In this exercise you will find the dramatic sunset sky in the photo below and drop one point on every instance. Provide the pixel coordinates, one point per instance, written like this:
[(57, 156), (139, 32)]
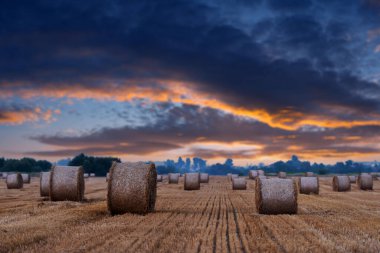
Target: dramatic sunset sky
[(254, 80)]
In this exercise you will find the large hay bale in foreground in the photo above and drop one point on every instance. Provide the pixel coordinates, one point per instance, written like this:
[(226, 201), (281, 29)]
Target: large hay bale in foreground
[(276, 196), (25, 178), (14, 181), (253, 174), (192, 181), (159, 178), (341, 183), (308, 185), (261, 172), (239, 183), (365, 182), (132, 188), (44, 184), (66, 183), (352, 179), (309, 174), (282, 174), (204, 178), (173, 178)]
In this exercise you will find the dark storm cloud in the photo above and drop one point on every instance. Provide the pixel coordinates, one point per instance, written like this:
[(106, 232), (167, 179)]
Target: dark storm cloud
[(181, 126), (298, 61)]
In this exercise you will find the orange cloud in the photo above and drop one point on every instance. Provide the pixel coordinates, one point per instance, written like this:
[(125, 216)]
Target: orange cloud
[(20, 116), (179, 92)]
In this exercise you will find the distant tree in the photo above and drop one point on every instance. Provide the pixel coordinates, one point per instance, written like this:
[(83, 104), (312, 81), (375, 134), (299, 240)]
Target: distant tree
[(229, 163), (78, 160), (2, 162), (180, 164), (187, 164), (98, 165)]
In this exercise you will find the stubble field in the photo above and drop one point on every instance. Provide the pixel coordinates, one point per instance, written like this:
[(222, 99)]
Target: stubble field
[(213, 219)]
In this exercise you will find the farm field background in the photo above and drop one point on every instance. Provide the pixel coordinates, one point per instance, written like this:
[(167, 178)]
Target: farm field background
[(213, 219)]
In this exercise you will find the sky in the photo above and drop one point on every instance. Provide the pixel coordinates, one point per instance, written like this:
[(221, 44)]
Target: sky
[(252, 80)]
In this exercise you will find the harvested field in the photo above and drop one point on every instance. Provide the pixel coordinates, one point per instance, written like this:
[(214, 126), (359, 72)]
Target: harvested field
[(213, 219)]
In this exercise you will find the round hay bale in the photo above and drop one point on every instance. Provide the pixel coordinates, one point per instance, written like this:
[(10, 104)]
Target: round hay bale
[(309, 174), (66, 183), (276, 196), (132, 188), (365, 182), (261, 172), (159, 178), (173, 178), (204, 178), (25, 178), (352, 179), (282, 174), (192, 181), (239, 183), (308, 185), (341, 183), (86, 175), (107, 176), (44, 184), (261, 177), (253, 174), (92, 174), (14, 181)]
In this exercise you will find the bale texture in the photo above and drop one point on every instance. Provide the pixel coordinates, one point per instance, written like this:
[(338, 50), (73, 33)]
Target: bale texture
[(261, 177), (14, 181), (341, 183), (282, 174), (365, 182), (261, 172), (66, 183), (276, 196), (239, 183), (352, 179), (44, 184), (309, 174), (204, 178), (25, 178), (173, 178), (253, 174), (159, 178), (132, 188), (308, 185), (192, 181)]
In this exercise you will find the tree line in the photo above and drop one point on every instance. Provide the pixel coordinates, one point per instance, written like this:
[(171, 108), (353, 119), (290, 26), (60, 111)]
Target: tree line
[(26, 164), (101, 165)]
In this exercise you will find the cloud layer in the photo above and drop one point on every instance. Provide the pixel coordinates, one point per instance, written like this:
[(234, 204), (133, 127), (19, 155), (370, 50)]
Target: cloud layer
[(264, 68)]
